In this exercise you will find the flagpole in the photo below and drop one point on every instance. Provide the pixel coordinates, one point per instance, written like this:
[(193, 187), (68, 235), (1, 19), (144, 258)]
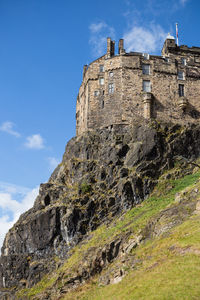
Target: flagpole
[(177, 33)]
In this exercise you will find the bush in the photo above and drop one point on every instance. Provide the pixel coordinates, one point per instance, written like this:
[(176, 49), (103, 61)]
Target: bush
[(85, 188)]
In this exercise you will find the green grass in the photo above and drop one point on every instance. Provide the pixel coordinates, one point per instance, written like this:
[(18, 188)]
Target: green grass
[(166, 272), (176, 278), (45, 283), (134, 220), (141, 214)]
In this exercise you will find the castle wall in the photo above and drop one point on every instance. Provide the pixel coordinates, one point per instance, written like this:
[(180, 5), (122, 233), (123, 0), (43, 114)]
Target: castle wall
[(112, 88)]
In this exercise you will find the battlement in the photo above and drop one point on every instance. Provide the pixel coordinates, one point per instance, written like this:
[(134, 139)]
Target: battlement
[(122, 88)]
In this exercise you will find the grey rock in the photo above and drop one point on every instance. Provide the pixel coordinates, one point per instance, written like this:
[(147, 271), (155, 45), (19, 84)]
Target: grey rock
[(102, 174)]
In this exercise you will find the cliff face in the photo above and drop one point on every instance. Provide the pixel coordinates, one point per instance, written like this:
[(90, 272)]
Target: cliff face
[(103, 174)]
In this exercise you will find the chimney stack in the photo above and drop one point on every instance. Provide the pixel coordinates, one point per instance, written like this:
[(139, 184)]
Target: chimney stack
[(110, 48), (121, 47)]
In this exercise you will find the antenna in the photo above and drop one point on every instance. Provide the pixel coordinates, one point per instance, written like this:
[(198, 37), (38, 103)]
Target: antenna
[(177, 33)]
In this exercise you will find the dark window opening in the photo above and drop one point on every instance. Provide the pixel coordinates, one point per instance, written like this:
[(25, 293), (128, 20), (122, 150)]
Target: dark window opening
[(146, 69), (181, 90), (102, 104), (101, 68), (181, 75)]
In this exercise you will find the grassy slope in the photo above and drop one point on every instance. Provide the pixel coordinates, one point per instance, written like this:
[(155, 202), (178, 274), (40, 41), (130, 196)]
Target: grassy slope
[(170, 270), (166, 271)]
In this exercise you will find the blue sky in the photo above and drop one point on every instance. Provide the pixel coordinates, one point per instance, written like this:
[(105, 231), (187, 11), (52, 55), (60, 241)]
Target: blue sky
[(43, 47)]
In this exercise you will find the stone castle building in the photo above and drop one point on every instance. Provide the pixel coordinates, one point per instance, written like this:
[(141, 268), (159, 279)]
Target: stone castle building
[(123, 88)]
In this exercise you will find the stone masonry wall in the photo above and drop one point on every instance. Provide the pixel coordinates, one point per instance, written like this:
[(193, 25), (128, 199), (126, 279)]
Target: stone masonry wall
[(112, 88)]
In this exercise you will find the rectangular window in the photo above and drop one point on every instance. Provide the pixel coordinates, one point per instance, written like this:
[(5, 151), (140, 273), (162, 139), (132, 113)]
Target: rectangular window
[(145, 55), (147, 86), (101, 68), (96, 93), (111, 88), (166, 59), (101, 81), (183, 61), (181, 75), (111, 74), (181, 90), (146, 69)]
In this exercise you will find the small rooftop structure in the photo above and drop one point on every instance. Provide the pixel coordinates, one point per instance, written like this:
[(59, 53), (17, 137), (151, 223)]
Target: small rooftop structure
[(170, 37)]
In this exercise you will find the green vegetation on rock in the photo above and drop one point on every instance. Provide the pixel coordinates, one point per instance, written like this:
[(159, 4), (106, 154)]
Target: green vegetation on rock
[(85, 188), (169, 270), (165, 263)]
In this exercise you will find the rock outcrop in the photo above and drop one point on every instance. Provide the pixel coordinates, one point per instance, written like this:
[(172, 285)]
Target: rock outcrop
[(103, 174)]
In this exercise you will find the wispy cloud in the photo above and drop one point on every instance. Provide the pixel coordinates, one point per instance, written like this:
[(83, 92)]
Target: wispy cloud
[(14, 200), (35, 141), (142, 12), (97, 27), (183, 2), (98, 33), (13, 189), (144, 39), (8, 128), (127, 2), (53, 162)]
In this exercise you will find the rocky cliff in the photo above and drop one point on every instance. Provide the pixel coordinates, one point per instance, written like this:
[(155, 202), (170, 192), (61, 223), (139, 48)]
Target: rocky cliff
[(103, 175)]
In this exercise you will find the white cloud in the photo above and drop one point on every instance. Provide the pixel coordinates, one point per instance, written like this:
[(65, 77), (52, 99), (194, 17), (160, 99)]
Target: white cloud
[(5, 225), (11, 208), (96, 27), (53, 162), (12, 188), (8, 128), (142, 39), (98, 35), (35, 141)]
